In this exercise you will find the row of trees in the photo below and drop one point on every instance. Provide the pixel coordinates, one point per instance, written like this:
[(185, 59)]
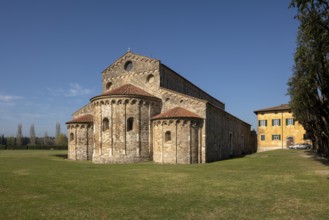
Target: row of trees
[(309, 85), (60, 139)]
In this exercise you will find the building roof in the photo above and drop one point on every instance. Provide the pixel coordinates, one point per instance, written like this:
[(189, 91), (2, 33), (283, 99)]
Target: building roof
[(82, 119), (127, 56), (128, 89), (283, 107), (176, 112)]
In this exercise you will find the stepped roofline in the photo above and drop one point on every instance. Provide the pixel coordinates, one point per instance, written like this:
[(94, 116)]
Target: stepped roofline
[(177, 112), (88, 118)]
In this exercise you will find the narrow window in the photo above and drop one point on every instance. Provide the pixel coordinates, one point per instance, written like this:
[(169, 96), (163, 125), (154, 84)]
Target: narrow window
[(262, 123), (276, 122), (262, 137), (290, 121), (106, 124), (130, 124), (167, 136), (276, 137), (71, 136)]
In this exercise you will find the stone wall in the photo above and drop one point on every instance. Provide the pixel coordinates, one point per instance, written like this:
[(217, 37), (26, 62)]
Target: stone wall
[(123, 131), (87, 109), (177, 141), (144, 73), (227, 136), (172, 99), (128, 137), (173, 81), (80, 141)]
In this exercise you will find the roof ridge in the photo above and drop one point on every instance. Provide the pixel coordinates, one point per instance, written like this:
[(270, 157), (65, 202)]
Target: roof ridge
[(275, 108), (87, 118), (177, 112)]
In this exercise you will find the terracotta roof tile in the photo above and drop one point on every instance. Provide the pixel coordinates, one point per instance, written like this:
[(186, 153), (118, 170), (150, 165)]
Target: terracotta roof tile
[(128, 89), (82, 119), (274, 108), (177, 112)]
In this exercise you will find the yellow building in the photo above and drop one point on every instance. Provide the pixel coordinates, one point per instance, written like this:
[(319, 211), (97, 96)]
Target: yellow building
[(277, 128)]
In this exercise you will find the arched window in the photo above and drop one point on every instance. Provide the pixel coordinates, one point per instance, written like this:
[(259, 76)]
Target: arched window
[(130, 124), (71, 136), (106, 124), (167, 136)]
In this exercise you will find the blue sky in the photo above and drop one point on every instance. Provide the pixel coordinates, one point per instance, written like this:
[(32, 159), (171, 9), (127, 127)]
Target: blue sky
[(52, 52)]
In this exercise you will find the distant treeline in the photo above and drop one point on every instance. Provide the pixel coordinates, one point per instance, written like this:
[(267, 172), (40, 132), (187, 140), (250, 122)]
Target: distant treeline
[(41, 143)]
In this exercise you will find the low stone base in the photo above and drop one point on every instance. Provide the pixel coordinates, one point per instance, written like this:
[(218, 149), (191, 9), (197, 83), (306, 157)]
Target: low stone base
[(123, 159)]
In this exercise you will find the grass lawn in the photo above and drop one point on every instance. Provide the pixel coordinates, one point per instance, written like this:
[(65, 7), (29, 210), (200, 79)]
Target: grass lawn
[(281, 184)]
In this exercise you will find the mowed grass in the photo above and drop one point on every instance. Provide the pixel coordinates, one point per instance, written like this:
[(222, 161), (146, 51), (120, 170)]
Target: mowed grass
[(280, 184)]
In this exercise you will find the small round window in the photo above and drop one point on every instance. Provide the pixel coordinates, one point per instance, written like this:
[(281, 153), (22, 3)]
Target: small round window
[(150, 78), (128, 65), (108, 85)]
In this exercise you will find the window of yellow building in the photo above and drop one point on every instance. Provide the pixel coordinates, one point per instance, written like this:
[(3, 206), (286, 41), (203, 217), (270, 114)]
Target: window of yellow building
[(262, 123), (262, 137), (276, 137), (276, 122), (290, 121)]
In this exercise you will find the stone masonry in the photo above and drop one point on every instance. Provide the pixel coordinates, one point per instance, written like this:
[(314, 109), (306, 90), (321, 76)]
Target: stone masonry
[(148, 112)]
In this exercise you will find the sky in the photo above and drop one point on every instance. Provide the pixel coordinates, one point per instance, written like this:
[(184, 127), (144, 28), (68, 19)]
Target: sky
[(52, 52)]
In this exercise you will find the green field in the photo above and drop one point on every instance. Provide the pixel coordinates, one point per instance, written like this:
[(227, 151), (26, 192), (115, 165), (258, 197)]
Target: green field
[(271, 185)]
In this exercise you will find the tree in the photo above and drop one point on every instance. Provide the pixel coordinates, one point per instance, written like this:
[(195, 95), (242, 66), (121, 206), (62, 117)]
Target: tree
[(46, 138), (58, 129), (2, 140), (61, 140), (32, 135), (11, 141), (309, 85), (19, 136)]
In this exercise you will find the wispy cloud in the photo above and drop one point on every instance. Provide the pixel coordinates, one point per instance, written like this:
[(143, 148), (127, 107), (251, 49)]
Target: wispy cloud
[(56, 92), (77, 90), (9, 98)]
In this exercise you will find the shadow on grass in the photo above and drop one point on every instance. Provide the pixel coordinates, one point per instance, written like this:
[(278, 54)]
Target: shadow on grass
[(316, 157), (63, 156)]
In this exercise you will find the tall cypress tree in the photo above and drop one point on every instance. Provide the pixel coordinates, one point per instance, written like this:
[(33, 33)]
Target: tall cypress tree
[(58, 129), (309, 84), (19, 136), (32, 135)]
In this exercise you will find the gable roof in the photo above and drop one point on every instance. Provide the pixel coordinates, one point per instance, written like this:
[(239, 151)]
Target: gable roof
[(283, 107), (127, 56), (127, 89), (82, 119), (177, 112)]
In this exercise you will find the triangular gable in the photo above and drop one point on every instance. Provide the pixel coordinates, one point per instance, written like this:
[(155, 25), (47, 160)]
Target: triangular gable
[(129, 56)]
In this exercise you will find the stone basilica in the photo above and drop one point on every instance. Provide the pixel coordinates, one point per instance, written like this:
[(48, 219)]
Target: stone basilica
[(148, 112)]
